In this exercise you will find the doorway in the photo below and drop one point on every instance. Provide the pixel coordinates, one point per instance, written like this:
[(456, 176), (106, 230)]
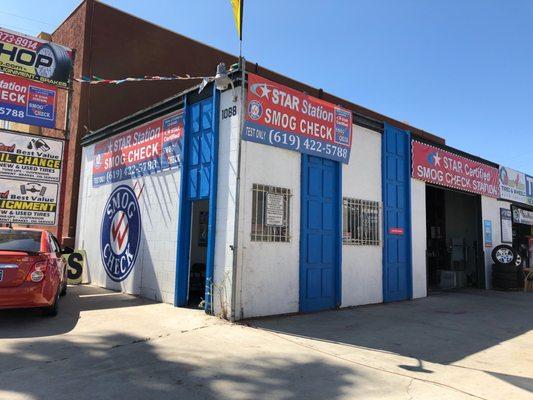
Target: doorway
[(454, 240), (198, 253)]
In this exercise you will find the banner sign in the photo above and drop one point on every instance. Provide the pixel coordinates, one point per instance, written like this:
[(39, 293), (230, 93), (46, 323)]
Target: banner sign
[(443, 168), (516, 186), (32, 158), (521, 216), (27, 102), (487, 232), (279, 116), (35, 59), (506, 223), (24, 202), (146, 149)]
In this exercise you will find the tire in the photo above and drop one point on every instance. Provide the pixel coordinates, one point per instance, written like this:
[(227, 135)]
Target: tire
[(53, 309), (518, 261), (506, 284), (64, 287), (507, 276), (504, 255), (505, 268), (62, 63)]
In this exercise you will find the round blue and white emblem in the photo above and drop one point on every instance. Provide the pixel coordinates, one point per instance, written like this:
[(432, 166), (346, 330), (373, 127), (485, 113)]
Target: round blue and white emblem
[(120, 234), (255, 109)]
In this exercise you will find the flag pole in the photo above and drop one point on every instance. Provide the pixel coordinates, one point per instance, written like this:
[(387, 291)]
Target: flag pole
[(242, 66)]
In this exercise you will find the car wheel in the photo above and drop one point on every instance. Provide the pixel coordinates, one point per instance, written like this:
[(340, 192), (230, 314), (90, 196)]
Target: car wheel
[(504, 255), (518, 261), (53, 309)]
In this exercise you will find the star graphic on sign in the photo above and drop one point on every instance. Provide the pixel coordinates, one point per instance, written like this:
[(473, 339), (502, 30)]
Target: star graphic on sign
[(436, 159), (110, 147), (266, 91)]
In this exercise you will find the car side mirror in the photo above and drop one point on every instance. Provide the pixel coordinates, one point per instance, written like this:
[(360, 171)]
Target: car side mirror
[(67, 250)]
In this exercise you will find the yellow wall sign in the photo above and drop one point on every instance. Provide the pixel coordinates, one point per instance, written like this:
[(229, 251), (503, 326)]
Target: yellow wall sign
[(35, 59), (76, 265)]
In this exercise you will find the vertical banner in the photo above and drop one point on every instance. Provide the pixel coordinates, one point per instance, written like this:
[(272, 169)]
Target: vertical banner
[(487, 229), (506, 221), (279, 116)]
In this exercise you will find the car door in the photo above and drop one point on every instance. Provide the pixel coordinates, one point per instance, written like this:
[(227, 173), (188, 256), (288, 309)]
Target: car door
[(55, 257)]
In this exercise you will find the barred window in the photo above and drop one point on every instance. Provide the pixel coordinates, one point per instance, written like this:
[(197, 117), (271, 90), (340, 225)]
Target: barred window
[(270, 213), (360, 222)]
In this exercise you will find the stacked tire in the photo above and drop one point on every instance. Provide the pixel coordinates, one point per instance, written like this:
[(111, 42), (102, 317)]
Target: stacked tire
[(507, 272)]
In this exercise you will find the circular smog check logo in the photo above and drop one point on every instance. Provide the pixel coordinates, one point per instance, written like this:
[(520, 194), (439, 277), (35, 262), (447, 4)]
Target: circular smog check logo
[(120, 234), (255, 109)]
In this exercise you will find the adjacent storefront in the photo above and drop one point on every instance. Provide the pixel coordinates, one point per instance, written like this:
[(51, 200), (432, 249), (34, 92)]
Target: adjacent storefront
[(517, 212)]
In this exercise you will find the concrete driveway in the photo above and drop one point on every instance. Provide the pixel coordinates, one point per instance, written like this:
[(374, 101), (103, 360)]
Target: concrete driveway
[(106, 345)]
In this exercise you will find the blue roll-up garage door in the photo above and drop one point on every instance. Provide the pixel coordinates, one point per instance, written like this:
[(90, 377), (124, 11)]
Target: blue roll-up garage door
[(396, 157)]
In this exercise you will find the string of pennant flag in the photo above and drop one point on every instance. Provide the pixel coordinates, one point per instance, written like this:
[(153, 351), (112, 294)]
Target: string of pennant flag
[(95, 80)]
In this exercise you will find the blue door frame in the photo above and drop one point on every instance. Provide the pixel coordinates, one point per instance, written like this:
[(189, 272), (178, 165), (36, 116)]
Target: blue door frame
[(320, 234), (396, 186), (199, 172)]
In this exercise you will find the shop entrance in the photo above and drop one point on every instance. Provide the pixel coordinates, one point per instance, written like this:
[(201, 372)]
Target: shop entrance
[(454, 239), (198, 253), (197, 217)]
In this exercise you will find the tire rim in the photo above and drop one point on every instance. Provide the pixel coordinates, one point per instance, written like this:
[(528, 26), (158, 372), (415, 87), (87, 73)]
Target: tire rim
[(505, 256)]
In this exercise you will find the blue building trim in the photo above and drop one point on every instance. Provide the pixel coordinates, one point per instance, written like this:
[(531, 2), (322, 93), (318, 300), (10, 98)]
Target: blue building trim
[(184, 219), (210, 259)]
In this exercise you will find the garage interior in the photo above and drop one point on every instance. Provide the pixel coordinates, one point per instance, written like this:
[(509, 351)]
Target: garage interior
[(454, 239), (198, 253)]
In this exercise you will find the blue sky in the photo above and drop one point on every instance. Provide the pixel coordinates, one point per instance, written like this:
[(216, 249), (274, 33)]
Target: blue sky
[(462, 70)]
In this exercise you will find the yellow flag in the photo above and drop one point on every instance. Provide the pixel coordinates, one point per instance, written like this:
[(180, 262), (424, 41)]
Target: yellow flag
[(237, 14)]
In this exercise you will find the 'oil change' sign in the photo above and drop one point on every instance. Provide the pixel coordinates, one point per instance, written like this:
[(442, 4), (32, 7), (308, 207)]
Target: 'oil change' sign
[(283, 117), (26, 202), (31, 158), (33, 58), (441, 167)]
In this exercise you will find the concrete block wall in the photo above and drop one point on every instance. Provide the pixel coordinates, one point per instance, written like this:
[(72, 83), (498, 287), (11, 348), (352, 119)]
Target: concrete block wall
[(153, 275)]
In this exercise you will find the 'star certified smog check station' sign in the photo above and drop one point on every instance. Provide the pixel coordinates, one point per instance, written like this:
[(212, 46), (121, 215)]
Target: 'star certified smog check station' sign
[(282, 117), (444, 168)]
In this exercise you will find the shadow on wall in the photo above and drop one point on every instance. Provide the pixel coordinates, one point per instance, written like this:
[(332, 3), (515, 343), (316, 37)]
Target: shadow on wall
[(29, 323), (440, 329), (124, 366)]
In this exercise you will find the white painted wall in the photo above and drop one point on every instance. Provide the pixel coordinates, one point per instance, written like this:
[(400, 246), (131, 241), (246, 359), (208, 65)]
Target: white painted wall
[(419, 238), (226, 196), (490, 210), (153, 275), (268, 272), (362, 266)]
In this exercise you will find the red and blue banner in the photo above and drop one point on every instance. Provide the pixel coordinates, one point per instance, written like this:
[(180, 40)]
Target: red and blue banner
[(146, 149), (279, 116), (444, 168), (27, 102)]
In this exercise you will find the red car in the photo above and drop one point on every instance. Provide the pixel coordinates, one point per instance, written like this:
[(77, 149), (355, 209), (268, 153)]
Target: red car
[(32, 271)]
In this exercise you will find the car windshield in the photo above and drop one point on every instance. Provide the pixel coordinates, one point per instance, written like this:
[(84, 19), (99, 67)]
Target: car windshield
[(20, 240)]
